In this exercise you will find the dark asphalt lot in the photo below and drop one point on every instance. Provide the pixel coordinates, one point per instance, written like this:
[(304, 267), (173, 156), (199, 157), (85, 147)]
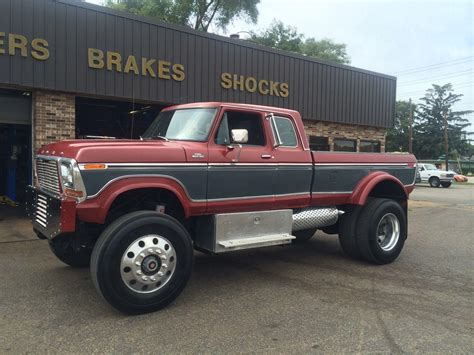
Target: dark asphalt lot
[(296, 299)]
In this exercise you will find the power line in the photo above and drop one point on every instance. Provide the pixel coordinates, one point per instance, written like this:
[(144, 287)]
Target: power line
[(433, 65), (424, 91), (450, 75), (437, 68)]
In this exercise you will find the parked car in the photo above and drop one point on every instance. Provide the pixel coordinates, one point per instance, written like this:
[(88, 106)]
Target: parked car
[(216, 177), (435, 177), (460, 178)]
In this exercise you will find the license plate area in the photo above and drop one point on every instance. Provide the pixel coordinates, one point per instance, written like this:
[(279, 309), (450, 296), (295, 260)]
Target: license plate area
[(45, 213)]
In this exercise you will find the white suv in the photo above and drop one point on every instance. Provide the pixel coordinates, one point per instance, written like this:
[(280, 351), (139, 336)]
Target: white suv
[(435, 177)]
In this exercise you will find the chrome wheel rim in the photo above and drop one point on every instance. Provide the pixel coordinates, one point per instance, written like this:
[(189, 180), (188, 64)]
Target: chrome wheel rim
[(388, 232), (148, 264)]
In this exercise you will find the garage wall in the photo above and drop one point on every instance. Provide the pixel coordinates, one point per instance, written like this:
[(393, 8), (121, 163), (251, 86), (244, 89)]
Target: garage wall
[(319, 90)]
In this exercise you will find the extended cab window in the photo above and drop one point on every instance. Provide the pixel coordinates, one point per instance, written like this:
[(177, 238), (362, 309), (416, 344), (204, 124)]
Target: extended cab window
[(191, 124), (250, 121), (284, 131)]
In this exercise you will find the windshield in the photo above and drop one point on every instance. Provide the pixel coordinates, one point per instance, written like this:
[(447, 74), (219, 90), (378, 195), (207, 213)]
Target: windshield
[(186, 124), (430, 167)]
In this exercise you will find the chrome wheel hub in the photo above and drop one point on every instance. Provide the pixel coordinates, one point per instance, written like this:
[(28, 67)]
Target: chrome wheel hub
[(388, 232), (148, 263)]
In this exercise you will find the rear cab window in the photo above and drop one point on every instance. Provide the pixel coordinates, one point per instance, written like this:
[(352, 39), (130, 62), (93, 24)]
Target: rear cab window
[(284, 132)]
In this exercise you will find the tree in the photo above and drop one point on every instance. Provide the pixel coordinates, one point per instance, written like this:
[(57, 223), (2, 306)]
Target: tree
[(280, 36), (287, 38), (197, 14), (397, 137), (429, 125), (326, 49)]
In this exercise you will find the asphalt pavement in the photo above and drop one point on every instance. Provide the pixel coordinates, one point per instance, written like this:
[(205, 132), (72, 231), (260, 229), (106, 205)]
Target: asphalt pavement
[(294, 299)]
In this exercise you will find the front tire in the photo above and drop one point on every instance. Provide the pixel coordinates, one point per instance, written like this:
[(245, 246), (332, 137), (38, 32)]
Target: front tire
[(381, 231), (434, 181), (446, 184), (142, 262)]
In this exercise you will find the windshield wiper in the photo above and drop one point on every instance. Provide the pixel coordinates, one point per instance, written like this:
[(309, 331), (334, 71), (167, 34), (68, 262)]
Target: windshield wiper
[(158, 137)]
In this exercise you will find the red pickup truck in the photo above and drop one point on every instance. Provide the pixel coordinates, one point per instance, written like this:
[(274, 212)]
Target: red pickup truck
[(215, 177)]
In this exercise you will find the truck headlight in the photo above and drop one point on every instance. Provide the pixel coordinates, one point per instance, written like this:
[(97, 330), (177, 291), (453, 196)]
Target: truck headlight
[(71, 179), (67, 176)]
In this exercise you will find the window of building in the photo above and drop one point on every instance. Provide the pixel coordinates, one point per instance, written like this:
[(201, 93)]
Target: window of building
[(369, 146), (344, 145), (319, 143), (285, 131), (250, 121)]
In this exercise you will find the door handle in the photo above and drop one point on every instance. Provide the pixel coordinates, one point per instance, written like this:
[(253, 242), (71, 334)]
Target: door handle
[(267, 156)]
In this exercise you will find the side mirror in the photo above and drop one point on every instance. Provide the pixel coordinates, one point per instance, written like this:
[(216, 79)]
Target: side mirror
[(240, 136)]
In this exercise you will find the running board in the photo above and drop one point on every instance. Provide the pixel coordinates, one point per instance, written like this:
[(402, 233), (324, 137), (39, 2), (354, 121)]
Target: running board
[(255, 242)]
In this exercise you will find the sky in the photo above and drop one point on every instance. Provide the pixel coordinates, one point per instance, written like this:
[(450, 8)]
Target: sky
[(421, 42)]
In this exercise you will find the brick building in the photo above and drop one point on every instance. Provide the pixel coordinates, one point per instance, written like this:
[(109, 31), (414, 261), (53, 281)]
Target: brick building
[(69, 69)]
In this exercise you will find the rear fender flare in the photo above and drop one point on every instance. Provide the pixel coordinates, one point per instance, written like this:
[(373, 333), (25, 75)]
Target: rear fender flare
[(367, 184)]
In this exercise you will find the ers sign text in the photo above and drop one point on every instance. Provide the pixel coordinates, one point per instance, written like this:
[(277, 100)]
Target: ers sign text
[(15, 43)]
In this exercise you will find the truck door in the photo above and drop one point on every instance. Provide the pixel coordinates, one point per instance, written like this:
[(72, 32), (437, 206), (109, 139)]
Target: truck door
[(295, 167), (241, 170)]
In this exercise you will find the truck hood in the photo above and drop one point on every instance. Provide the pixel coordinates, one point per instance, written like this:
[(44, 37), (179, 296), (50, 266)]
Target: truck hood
[(118, 150)]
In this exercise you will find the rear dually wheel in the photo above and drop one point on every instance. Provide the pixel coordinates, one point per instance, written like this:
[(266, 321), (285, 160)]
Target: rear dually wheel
[(381, 231)]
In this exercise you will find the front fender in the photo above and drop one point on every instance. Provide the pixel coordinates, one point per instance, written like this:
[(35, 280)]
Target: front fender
[(95, 210), (368, 183)]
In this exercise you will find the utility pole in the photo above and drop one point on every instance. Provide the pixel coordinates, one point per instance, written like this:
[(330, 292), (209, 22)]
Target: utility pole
[(446, 139), (410, 129)]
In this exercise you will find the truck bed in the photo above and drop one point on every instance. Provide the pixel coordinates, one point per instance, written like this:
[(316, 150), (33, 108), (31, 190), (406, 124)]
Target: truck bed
[(338, 175)]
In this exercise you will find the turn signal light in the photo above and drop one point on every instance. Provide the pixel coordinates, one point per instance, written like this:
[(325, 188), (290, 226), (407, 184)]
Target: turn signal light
[(94, 166), (73, 193)]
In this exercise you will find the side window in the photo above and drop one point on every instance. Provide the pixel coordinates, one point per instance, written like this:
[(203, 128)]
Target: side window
[(319, 143), (251, 121), (344, 145), (223, 132), (285, 131), (369, 146)]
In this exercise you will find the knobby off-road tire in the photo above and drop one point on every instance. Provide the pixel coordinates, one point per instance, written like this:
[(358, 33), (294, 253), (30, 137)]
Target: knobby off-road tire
[(303, 235), (142, 262), (446, 184), (381, 231), (63, 249), (347, 231), (434, 181)]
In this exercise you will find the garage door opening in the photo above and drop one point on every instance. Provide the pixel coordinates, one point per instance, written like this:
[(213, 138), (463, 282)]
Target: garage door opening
[(15, 145), (113, 119)]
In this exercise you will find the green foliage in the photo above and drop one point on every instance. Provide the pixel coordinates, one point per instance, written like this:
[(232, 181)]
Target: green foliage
[(429, 124), (326, 49), (397, 137), (197, 14), (281, 37), (287, 38)]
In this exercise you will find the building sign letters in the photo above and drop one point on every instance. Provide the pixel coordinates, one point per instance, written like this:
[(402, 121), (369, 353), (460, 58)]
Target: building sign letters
[(250, 84), (15, 43), (38, 48), (162, 69)]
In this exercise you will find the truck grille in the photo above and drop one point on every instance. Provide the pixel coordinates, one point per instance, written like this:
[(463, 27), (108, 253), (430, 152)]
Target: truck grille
[(449, 175), (48, 177)]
